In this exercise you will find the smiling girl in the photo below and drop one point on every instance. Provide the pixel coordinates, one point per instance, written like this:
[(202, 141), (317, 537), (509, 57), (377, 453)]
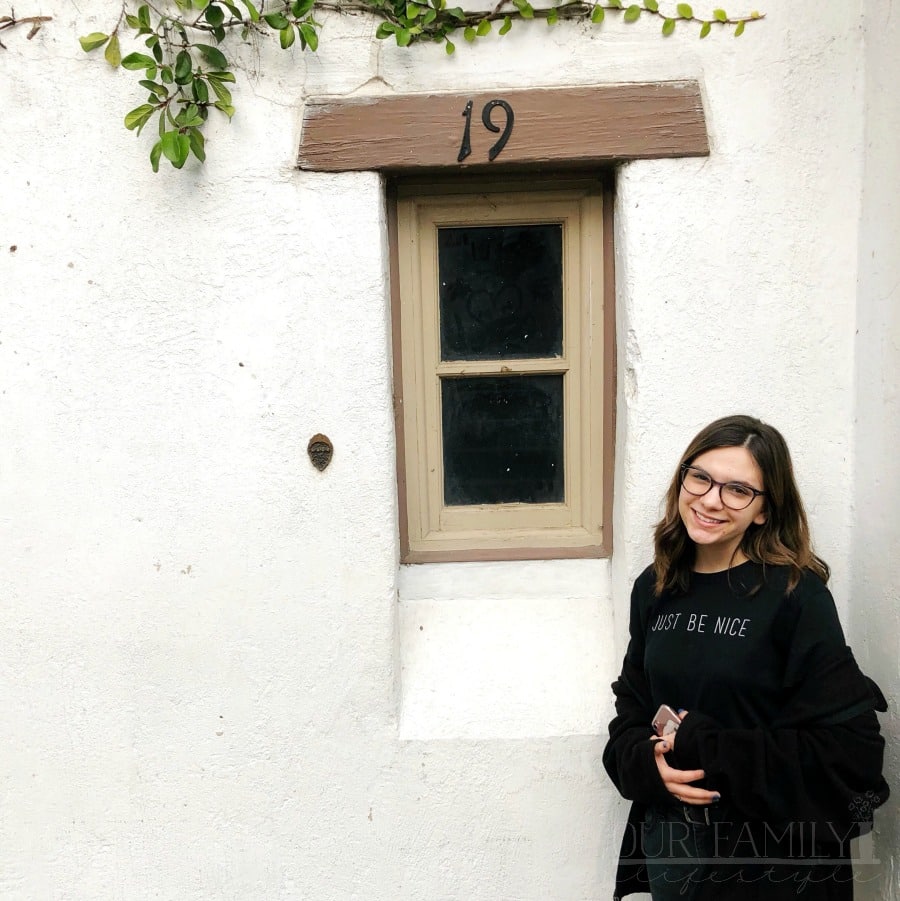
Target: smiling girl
[(774, 761)]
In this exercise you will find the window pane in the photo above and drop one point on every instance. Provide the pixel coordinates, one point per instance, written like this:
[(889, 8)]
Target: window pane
[(503, 439), (500, 291)]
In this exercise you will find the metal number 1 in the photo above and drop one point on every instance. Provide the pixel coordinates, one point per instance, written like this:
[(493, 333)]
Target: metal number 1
[(466, 147)]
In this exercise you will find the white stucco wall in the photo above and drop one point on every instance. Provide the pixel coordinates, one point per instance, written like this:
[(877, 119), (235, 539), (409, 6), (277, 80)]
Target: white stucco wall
[(217, 681), (874, 616)]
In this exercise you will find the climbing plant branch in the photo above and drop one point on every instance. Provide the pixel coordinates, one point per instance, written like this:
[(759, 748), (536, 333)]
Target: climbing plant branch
[(187, 74), (10, 21)]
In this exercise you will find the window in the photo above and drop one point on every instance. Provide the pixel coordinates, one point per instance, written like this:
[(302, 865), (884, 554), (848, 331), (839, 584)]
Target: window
[(503, 369)]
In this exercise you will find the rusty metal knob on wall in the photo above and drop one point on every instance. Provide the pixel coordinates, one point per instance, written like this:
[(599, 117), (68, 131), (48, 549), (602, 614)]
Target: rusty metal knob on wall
[(320, 451)]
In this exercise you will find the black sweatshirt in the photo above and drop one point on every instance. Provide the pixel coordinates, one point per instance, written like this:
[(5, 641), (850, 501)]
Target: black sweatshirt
[(780, 717)]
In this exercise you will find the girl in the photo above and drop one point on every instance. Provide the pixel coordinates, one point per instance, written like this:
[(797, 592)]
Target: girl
[(771, 761)]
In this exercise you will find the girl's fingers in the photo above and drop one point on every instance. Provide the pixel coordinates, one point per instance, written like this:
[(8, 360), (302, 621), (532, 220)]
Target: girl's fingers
[(690, 794), (673, 775), (670, 774), (677, 782)]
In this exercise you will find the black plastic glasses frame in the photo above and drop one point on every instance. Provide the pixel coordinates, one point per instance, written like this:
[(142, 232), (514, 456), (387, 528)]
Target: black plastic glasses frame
[(755, 493)]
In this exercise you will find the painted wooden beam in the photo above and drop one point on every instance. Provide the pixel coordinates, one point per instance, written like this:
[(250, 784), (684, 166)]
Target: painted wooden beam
[(550, 126)]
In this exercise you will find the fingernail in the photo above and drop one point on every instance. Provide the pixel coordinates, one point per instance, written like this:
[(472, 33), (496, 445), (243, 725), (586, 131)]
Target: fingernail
[(665, 745), (681, 710), (716, 799)]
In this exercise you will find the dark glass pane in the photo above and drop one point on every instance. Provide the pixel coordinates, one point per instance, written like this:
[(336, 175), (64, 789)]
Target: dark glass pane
[(500, 291), (503, 439)]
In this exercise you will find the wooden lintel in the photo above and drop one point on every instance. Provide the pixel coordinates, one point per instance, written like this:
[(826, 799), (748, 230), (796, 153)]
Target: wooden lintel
[(551, 126)]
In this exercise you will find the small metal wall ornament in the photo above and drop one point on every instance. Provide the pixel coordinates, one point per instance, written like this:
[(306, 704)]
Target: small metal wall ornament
[(320, 451)]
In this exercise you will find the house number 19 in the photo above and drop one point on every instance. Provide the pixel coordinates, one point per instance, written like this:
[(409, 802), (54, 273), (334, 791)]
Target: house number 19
[(465, 148)]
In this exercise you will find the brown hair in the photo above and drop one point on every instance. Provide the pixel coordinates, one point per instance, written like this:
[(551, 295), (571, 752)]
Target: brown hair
[(782, 540)]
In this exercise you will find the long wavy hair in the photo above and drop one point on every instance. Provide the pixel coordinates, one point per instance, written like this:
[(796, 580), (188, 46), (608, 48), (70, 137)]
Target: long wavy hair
[(782, 540)]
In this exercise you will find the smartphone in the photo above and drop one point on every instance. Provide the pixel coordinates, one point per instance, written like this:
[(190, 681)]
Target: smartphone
[(666, 721)]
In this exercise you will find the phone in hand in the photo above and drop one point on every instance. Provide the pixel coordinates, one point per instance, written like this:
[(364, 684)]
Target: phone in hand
[(666, 721)]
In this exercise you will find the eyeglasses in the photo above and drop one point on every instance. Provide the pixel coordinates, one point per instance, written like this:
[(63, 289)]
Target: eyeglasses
[(734, 495)]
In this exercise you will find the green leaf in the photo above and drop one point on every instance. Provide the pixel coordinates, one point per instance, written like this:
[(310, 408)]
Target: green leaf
[(183, 66), (189, 117), (430, 16), (199, 90), (226, 108), (668, 27), (214, 15), (651, 6), (403, 37), (113, 52), (412, 11), (468, 34), (198, 145), (252, 10), (449, 47), (597, 15), (740, 29), (684, 10), (705, 30), (144, 16), (525, 8), (286, 37), (212, 55), (136, 61), (221, 92), (616, 3), (153, 44), (221, 76), (507, 24), (456, 12), (93, 41), (720, 15), (310, 36), (133, 21), (276, 21), (553, 16), (155, 154), (165, 74), (159, 90), (139, 116), (301, 7), (633, 13), (384, 30), (484, 27), (175, 148)]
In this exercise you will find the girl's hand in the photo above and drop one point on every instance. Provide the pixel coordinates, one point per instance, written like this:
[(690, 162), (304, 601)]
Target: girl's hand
[(677, 782)]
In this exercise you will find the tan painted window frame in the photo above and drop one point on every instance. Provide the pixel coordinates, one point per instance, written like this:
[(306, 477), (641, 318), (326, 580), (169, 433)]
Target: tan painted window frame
[(580, 527)]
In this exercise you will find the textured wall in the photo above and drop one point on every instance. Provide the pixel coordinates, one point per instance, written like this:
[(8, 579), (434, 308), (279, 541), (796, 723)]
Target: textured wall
[(874, 615), (216, 682)]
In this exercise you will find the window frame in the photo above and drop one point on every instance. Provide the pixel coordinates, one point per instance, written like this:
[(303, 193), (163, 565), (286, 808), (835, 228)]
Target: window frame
[(581, 526)]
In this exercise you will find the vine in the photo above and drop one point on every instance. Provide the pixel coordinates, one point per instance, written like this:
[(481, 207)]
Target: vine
[(10, 21), (186, 73)]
